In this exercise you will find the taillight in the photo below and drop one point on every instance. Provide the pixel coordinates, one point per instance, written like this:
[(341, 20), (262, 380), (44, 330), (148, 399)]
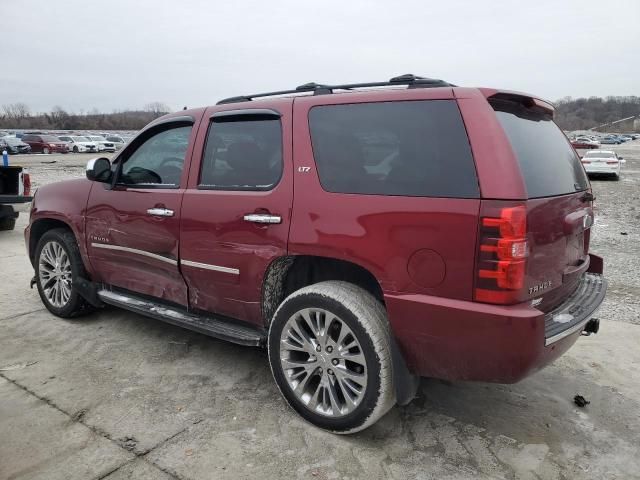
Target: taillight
[(612, 162), (585, 161), (502, 253), (26, 184)]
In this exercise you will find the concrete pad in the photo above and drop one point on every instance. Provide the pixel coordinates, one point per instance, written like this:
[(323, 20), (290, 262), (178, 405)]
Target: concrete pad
[(15, 272), (40, 442), (138, 470), (136, 378)]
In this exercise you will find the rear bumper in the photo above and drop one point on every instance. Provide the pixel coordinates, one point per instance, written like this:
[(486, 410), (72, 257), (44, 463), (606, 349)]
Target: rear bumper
[(573, 314), (461, 340), (608, 169)]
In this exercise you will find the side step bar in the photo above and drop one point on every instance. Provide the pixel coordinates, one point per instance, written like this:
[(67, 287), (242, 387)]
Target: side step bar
[(208, 325)]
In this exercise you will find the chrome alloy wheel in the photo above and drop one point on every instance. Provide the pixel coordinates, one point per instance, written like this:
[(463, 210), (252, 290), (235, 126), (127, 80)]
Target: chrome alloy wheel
[(54, 271), (323, 362)]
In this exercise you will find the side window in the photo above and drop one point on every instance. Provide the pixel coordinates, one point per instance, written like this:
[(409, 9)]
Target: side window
[(159, 160), (242, 153), (411, 148)]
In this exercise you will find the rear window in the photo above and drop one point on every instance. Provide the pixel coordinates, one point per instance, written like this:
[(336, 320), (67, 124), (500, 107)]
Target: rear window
[(547, 161), (599, 154), (413, 148)]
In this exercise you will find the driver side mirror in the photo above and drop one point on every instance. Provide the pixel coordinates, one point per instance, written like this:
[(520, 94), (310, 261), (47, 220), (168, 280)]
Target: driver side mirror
[(99, 170)]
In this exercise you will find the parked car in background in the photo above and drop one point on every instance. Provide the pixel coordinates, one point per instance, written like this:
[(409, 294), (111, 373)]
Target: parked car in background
[(605, 162), (45, 143), (102, 143), (610, 140), (15, 188), (14, 145), (364, 238), (117, 141), (591, 140), (584, 143), (79, 144)]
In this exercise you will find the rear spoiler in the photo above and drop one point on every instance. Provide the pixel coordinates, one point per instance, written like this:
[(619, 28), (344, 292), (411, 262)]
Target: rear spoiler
[(524, 99)]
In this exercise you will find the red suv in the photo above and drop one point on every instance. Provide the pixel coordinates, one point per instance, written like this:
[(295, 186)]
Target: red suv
[(45, 143), (365, 237)]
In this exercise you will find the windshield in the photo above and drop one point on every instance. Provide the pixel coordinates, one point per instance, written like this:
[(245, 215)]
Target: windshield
[(12, 141), (79, 139), (600, 154), (548, 163)]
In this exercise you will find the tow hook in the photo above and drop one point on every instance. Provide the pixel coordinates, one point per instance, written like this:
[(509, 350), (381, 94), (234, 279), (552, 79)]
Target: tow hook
[(592, 326), (32, 282)]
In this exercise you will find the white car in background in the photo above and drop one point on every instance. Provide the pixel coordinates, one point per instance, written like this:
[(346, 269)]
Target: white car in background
[(588, 139), (604, 162), (103, 144), (79, 144), (117, 141)]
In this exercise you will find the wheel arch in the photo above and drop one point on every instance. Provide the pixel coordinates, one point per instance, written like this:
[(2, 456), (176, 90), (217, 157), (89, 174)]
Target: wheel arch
[(289, 273), (41, 226)]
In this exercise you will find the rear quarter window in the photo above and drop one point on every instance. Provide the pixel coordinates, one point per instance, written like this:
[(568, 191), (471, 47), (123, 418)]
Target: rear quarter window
[(547, 160), (412, 148)]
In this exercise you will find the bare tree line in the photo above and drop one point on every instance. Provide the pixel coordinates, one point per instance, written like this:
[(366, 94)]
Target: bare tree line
[(571, 114), (586, 113), (19, 116)]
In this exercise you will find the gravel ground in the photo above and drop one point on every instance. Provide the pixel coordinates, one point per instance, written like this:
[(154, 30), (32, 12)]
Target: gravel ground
[(118, 396)]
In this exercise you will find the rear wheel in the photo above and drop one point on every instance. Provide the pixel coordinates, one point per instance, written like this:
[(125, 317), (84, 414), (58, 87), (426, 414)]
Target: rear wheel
[(7, 223), (330, 354), (75, 149), (46, 150), (58, 265)]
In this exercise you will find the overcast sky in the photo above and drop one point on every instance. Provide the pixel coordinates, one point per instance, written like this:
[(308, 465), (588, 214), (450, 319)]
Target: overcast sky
[(121, 54)]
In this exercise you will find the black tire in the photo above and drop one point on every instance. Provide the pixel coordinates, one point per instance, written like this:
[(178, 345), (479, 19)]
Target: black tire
[(75, 150), (616, 177), (7, 223), (76, 304), (367, 319)]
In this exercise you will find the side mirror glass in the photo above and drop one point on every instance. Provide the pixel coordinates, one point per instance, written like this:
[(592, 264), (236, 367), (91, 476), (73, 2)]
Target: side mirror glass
[(99, 170)]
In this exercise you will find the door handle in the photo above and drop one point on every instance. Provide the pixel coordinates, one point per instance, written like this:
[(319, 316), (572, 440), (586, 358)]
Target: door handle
[(160, 212), (263, 218)]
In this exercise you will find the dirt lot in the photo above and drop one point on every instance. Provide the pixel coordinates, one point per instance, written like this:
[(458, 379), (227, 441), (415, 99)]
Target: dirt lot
[(120, 396)]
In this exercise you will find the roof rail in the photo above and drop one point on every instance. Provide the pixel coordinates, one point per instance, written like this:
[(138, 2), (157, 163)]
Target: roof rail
[(412, 81)]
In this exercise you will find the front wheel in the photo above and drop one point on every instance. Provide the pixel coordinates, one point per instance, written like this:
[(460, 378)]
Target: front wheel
[(58, 265), (330, 354), (46, 151)]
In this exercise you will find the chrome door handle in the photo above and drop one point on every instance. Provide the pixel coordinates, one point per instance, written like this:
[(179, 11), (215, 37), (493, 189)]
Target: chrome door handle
[(160, 212), (263, 218)]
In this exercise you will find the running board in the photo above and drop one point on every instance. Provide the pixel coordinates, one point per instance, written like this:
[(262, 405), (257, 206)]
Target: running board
[(208, 325)]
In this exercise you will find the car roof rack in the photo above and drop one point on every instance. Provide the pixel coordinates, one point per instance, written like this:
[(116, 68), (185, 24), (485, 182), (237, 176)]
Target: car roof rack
[(412, 81)]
